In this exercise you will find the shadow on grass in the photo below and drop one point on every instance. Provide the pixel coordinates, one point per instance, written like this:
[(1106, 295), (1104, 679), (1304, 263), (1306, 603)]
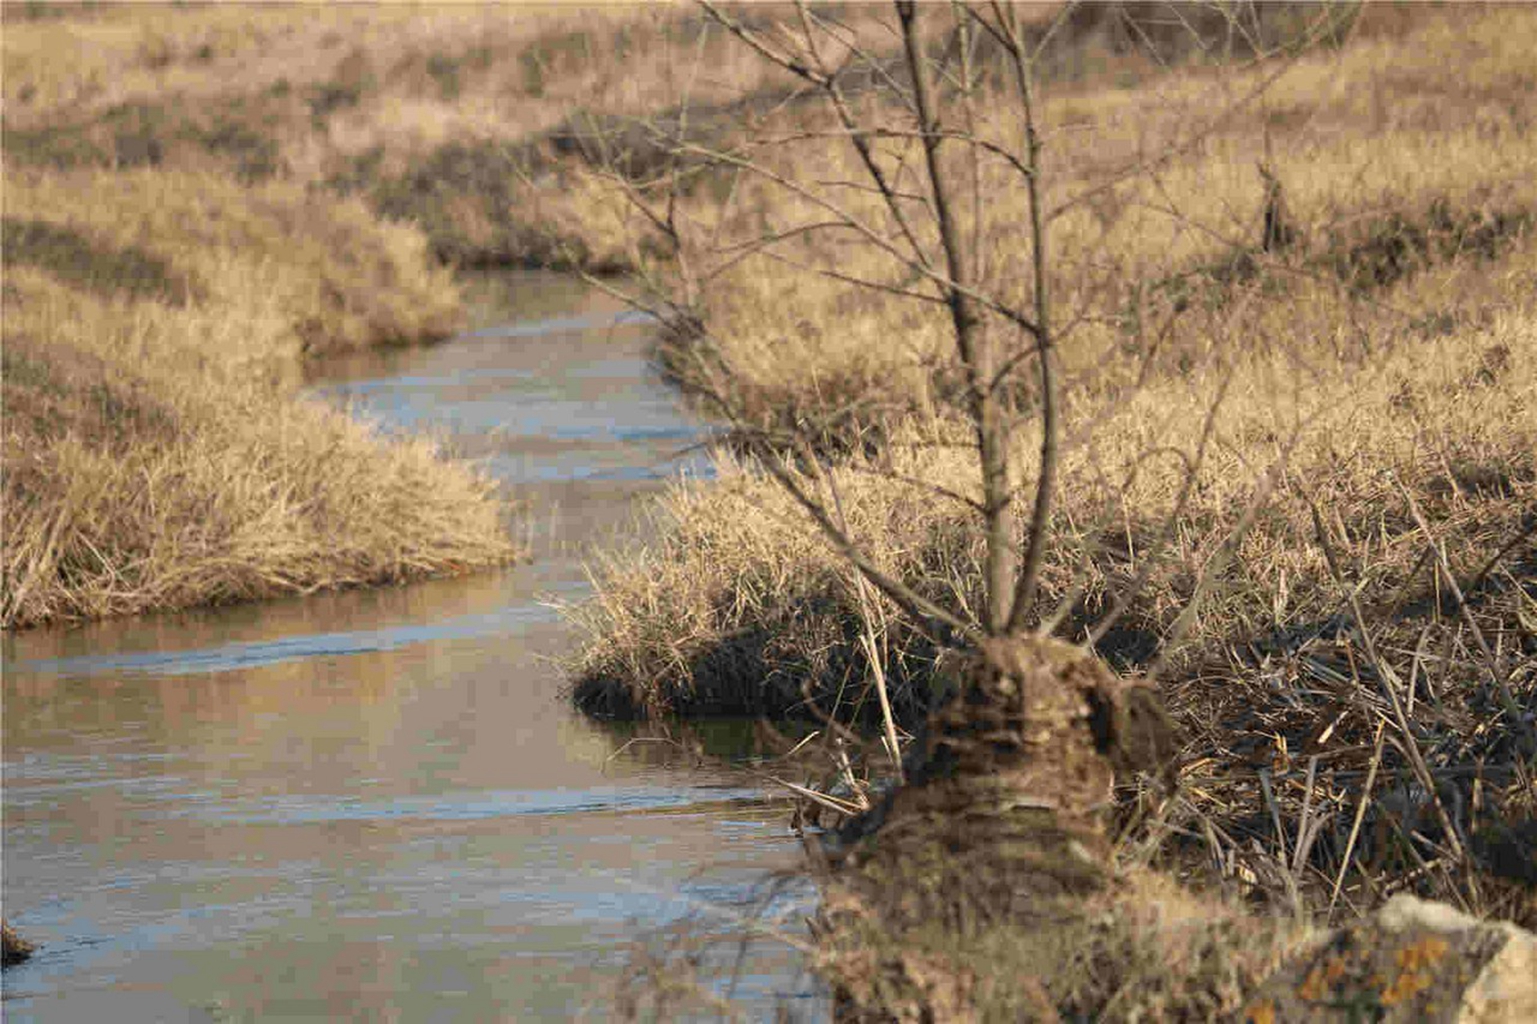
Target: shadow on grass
[(1367, 257), (88, 263), (775, 671)]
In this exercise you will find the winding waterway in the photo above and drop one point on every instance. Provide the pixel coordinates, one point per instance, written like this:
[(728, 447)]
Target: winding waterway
[(376, 805)]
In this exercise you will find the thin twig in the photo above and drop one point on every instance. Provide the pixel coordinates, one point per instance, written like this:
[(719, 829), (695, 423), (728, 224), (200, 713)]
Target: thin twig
[(1361, 805)]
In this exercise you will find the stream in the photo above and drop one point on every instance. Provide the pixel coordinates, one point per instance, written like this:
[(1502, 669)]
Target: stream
[(377, 804)]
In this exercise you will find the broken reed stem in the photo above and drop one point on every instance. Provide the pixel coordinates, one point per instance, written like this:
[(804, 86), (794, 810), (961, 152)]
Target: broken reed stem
[(1293, 896), (1305, 824), (867, 625), (1355, 826), (888, 720)]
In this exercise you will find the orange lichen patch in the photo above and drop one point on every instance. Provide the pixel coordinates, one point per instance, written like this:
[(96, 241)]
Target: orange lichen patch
[(1416, 962), (1413, 961), (1322, 979), (1261, 1012)]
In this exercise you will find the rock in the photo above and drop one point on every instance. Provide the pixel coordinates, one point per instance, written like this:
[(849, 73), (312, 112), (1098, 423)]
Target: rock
[(16, 949), (1413, 960)]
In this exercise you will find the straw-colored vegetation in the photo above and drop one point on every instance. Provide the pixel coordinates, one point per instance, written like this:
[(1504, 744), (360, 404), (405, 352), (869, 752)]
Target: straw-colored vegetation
[(459, 118), (1354, 385), (1409, 284), (1309, 277), (154, 452), (198, 198), (155, 456)]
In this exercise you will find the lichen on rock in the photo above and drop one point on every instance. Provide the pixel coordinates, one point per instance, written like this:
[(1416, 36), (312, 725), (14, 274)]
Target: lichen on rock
[(1413, 960)]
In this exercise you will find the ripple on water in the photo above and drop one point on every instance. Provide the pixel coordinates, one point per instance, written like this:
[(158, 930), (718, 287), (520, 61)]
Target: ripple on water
[(380, 804)]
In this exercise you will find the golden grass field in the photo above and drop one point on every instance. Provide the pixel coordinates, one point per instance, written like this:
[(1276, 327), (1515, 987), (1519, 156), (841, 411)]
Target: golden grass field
[(1360, 403), (435, 114)]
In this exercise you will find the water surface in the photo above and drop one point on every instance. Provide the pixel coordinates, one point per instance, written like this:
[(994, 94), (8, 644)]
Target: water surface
[(377, 804)]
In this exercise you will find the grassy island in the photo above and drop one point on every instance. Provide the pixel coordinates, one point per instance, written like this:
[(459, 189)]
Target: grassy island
[(160, 296)]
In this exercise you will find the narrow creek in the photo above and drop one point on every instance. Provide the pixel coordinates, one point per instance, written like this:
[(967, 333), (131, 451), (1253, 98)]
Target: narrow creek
[(377, 804)]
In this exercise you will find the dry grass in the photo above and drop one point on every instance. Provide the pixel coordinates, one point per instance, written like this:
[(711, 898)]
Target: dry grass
[(169, 262), (1359, 404), (739, 608), (1143, 950), (1412, 272), (322, 275), (1388, 352), (443, 115), (479, 124), (1374, 195), (1445, 406), (460, 59), (155, 455)]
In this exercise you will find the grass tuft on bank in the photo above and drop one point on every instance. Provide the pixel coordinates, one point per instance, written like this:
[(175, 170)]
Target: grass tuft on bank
[(156, 454), (735, 608)]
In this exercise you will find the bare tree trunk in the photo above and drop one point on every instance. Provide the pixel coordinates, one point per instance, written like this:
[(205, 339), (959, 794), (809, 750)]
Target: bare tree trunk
[(975, 348), (1035, 546)]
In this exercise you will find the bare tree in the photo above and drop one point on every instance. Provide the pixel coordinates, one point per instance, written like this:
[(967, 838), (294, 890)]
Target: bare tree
[(943, 193), (931, 167)]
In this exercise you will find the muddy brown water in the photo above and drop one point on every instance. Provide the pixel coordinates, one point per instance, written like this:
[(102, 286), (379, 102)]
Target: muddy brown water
[(377, 805)]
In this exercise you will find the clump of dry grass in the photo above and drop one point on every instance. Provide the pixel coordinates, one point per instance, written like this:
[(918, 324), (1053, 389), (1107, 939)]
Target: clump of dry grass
[(1144, 949), (739, 609), (13, 948), (155, 454), (1453, 405)]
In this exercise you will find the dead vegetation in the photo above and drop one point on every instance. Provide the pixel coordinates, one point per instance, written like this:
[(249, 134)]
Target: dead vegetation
[(171, 257), (15, 949), (155, 455), (1294, 484), (491, 129), (448, 117), (1294, 334)]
